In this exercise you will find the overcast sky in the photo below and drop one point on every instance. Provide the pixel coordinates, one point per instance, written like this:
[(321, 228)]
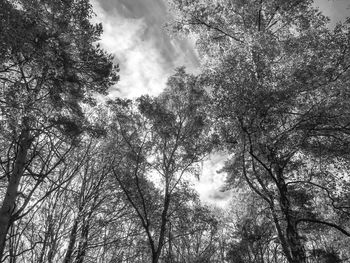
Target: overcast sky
[(134, 32)]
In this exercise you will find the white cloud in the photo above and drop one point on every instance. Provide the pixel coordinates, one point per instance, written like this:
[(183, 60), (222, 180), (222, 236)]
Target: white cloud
[(142, 66), (211, 182)]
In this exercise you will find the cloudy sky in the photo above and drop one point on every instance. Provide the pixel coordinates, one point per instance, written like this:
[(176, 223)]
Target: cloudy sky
[(134, 32)]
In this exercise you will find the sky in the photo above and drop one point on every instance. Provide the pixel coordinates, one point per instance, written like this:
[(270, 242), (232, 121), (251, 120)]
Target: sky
[(337, 10), (134, 31)]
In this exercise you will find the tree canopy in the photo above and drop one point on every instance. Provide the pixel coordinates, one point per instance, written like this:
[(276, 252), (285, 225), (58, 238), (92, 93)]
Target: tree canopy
[(82, 181)]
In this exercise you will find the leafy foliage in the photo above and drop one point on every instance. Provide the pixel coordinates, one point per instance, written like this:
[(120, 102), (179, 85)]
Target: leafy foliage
[(83, 182)]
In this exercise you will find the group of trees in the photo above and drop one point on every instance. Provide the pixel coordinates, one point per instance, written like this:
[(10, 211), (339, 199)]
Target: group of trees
[(87, 182), (279, 80)]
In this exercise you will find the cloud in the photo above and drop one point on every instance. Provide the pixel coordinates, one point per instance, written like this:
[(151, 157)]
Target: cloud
[(211, 182), (134, 32), (139, 60)]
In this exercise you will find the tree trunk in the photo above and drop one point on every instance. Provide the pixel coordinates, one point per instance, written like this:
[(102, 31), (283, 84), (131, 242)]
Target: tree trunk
[(52, 248), (297, 248), (170, 252), (297, 251), (48, 233), (8, 204), (83, 242), (12, 244), (281, 236), (72, 239), (155, 257)]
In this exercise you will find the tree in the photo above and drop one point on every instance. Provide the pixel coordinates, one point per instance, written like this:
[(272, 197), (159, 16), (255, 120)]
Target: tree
[(275, 72), (194, 232), (49, 67), (162, 139), (253, 238), (40, 225)]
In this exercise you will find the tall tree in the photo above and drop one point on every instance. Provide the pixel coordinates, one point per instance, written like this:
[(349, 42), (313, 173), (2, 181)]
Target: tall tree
[(164, 140), (275, 71), (49, 66)]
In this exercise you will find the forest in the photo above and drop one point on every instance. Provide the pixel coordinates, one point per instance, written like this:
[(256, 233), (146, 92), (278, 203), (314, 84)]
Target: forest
[(86, 177)]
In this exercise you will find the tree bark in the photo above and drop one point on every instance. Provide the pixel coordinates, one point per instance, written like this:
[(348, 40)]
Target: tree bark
[(72, 240), (84, 240), (8, 204), (297, 251), (162, 233), (83, 245)]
